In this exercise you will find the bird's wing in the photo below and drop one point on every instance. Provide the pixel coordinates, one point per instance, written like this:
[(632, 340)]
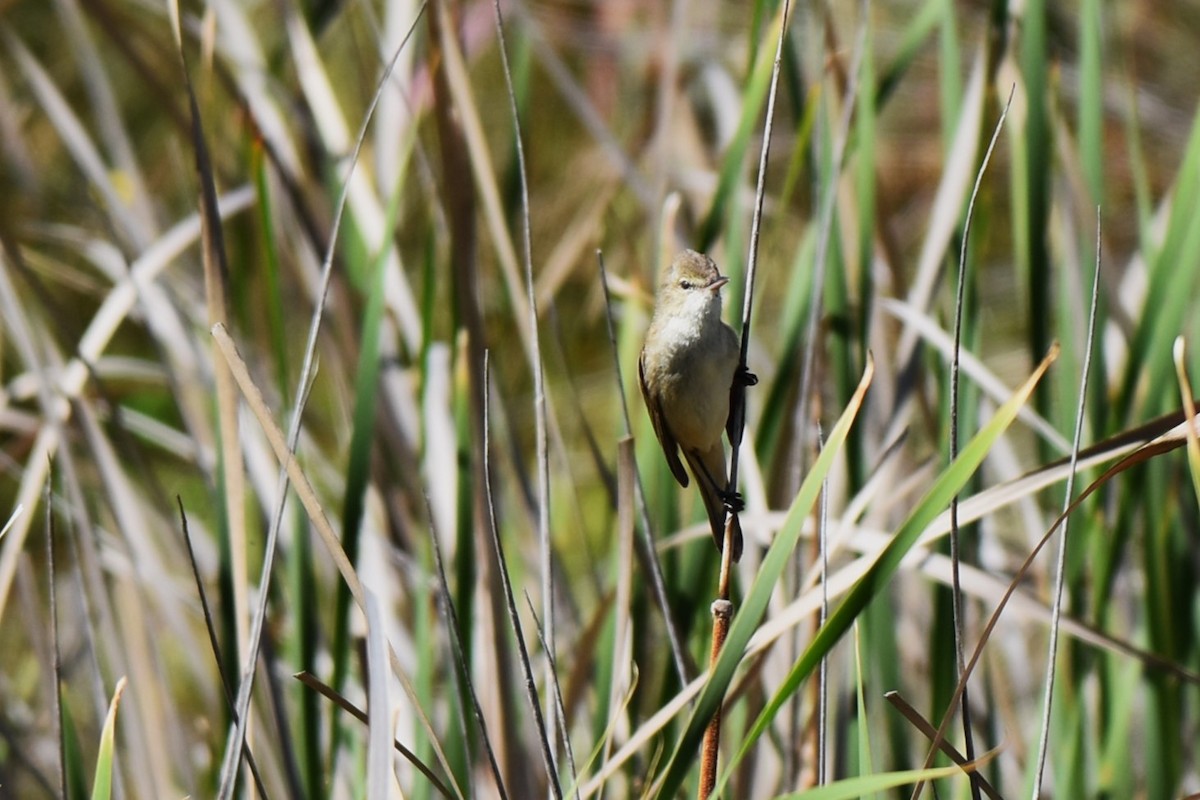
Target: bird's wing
[(737, 389), (669, 445)]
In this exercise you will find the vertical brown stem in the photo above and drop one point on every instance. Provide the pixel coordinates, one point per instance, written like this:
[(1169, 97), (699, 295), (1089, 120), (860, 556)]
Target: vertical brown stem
[(722, 613)]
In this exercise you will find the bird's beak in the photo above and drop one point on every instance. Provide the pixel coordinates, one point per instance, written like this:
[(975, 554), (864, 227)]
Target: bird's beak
[(718, 283)]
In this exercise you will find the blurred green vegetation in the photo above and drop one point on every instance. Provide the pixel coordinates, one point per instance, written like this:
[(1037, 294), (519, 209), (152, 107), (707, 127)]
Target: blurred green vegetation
[(642, 126)]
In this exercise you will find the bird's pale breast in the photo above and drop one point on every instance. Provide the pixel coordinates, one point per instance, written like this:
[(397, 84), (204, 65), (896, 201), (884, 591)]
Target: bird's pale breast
[(697, 405)]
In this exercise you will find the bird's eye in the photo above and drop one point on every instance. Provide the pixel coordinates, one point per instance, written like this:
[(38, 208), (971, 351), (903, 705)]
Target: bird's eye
[(685, 284)]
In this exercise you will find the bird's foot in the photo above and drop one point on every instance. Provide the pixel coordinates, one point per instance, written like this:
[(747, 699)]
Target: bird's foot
[(733, 501), (744, 377)]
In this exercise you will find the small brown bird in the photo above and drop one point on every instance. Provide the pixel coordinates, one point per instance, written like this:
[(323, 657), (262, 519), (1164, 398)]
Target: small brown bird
[(688, 370)]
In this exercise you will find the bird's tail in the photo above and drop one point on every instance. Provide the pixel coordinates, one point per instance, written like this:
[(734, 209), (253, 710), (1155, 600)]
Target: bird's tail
[(714, 505)]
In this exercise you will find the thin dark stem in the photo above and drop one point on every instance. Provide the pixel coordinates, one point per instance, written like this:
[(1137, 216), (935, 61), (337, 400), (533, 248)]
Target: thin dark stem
[(339, 700), (214, 642), (921, 724), (514, 617), (460, 660), (738, 409), (560, 708), (535, 366), (956, 587)]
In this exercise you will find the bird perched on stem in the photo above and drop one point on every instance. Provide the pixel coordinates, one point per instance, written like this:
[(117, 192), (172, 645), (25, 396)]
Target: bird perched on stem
[(690, 370)]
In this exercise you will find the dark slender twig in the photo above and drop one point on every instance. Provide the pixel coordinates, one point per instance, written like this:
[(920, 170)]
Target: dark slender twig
[(539, 378), (214, 643), (460, 660), (560, 708), (738, 407), (956, 588), (921, 724), (964, 670), (339, 700), (530, 685), (1060, 567), (647, 538)]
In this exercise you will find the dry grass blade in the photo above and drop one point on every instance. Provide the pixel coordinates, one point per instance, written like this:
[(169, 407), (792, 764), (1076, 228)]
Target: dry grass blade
[(16, 512), (645, 734), (622, 661), (312, 505), (1185, 391), (973, 367), (987, 588)]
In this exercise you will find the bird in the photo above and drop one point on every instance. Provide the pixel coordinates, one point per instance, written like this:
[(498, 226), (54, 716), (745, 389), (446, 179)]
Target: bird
[(691, 375)]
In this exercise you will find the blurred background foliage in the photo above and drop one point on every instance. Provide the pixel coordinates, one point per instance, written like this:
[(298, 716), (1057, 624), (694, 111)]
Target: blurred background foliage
[(642, 126)]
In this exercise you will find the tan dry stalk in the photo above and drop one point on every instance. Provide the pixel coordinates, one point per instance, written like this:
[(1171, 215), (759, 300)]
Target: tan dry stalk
[(722, 613)]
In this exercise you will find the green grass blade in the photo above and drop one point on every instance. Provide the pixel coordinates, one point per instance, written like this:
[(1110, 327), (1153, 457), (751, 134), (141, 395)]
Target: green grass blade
[(947, 485), (853, 788), (73, 769), (1091, 98), (102, 784), (755, 603)]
